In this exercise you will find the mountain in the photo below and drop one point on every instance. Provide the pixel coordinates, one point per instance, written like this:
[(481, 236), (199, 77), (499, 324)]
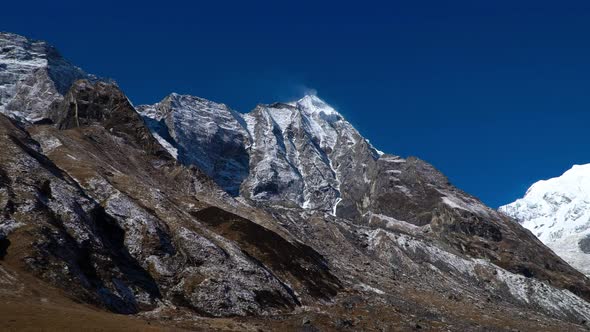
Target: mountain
[(187, 214), (287, 154), (213, 140), (33, 75), (557, 211)]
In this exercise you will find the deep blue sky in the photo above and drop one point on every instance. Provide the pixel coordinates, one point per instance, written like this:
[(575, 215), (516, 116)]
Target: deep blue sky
[(496, 94)]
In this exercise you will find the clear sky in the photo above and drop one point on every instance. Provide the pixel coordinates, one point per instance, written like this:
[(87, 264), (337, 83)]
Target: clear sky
[(494, 93)]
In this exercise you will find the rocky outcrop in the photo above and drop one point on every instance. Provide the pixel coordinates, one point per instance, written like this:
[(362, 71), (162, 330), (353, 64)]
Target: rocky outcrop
[(59, 233), (415, 192), (104, 104)]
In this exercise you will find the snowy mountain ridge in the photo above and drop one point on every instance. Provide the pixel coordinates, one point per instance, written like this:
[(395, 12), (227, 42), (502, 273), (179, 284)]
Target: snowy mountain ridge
[(33, 75), (189, 128), (282, 152), (557, 211)]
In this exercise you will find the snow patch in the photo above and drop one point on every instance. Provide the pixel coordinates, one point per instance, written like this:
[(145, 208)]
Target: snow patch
[(366, 287), (338, 200), (529, 291), (166, 145)]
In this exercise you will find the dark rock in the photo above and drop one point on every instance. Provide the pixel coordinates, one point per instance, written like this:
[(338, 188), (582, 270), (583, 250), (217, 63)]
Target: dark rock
[(584, 244), (101, 103), (4, 244)]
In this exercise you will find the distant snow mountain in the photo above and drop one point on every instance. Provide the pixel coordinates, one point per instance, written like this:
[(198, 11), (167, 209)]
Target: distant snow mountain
[(557, 211)]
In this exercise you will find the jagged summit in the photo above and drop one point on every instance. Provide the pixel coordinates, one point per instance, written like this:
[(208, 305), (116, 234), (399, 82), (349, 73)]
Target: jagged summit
[(288, 152), (33, 75), (312, 104), (199, 132), (309, 105), (186, 98), (180, 102), (557, 211)]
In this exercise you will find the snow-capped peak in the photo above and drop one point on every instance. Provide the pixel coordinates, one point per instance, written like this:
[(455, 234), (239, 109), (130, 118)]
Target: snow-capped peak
[(33, 75), (193, 102), (184, 98), (557, 211), (575, 182), (312, 104), (287, 153)]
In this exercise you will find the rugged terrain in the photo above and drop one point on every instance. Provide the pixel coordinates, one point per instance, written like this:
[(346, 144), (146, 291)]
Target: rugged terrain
[(188, 214), (557, 211)]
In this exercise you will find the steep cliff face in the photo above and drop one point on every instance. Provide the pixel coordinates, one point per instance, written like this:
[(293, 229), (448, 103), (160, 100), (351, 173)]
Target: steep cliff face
[(213, 139), (285, 216), (557, 211), (289, 163)]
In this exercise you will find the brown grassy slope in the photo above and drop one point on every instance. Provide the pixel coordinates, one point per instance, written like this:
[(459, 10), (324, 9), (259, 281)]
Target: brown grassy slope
[(26, 303)]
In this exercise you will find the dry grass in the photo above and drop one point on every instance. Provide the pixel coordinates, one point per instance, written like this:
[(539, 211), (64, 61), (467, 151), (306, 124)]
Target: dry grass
[(26, 303)]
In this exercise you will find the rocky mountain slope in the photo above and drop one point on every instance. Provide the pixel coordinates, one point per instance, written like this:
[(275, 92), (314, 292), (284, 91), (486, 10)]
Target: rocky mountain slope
[(557, 211), (190, 213)]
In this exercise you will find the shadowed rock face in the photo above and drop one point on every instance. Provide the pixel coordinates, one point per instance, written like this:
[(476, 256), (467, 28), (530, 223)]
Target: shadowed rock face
[(104, 104), (584, 244), (183, 123), (63, 235), (4, 244), (301, 263), (327, 232)]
